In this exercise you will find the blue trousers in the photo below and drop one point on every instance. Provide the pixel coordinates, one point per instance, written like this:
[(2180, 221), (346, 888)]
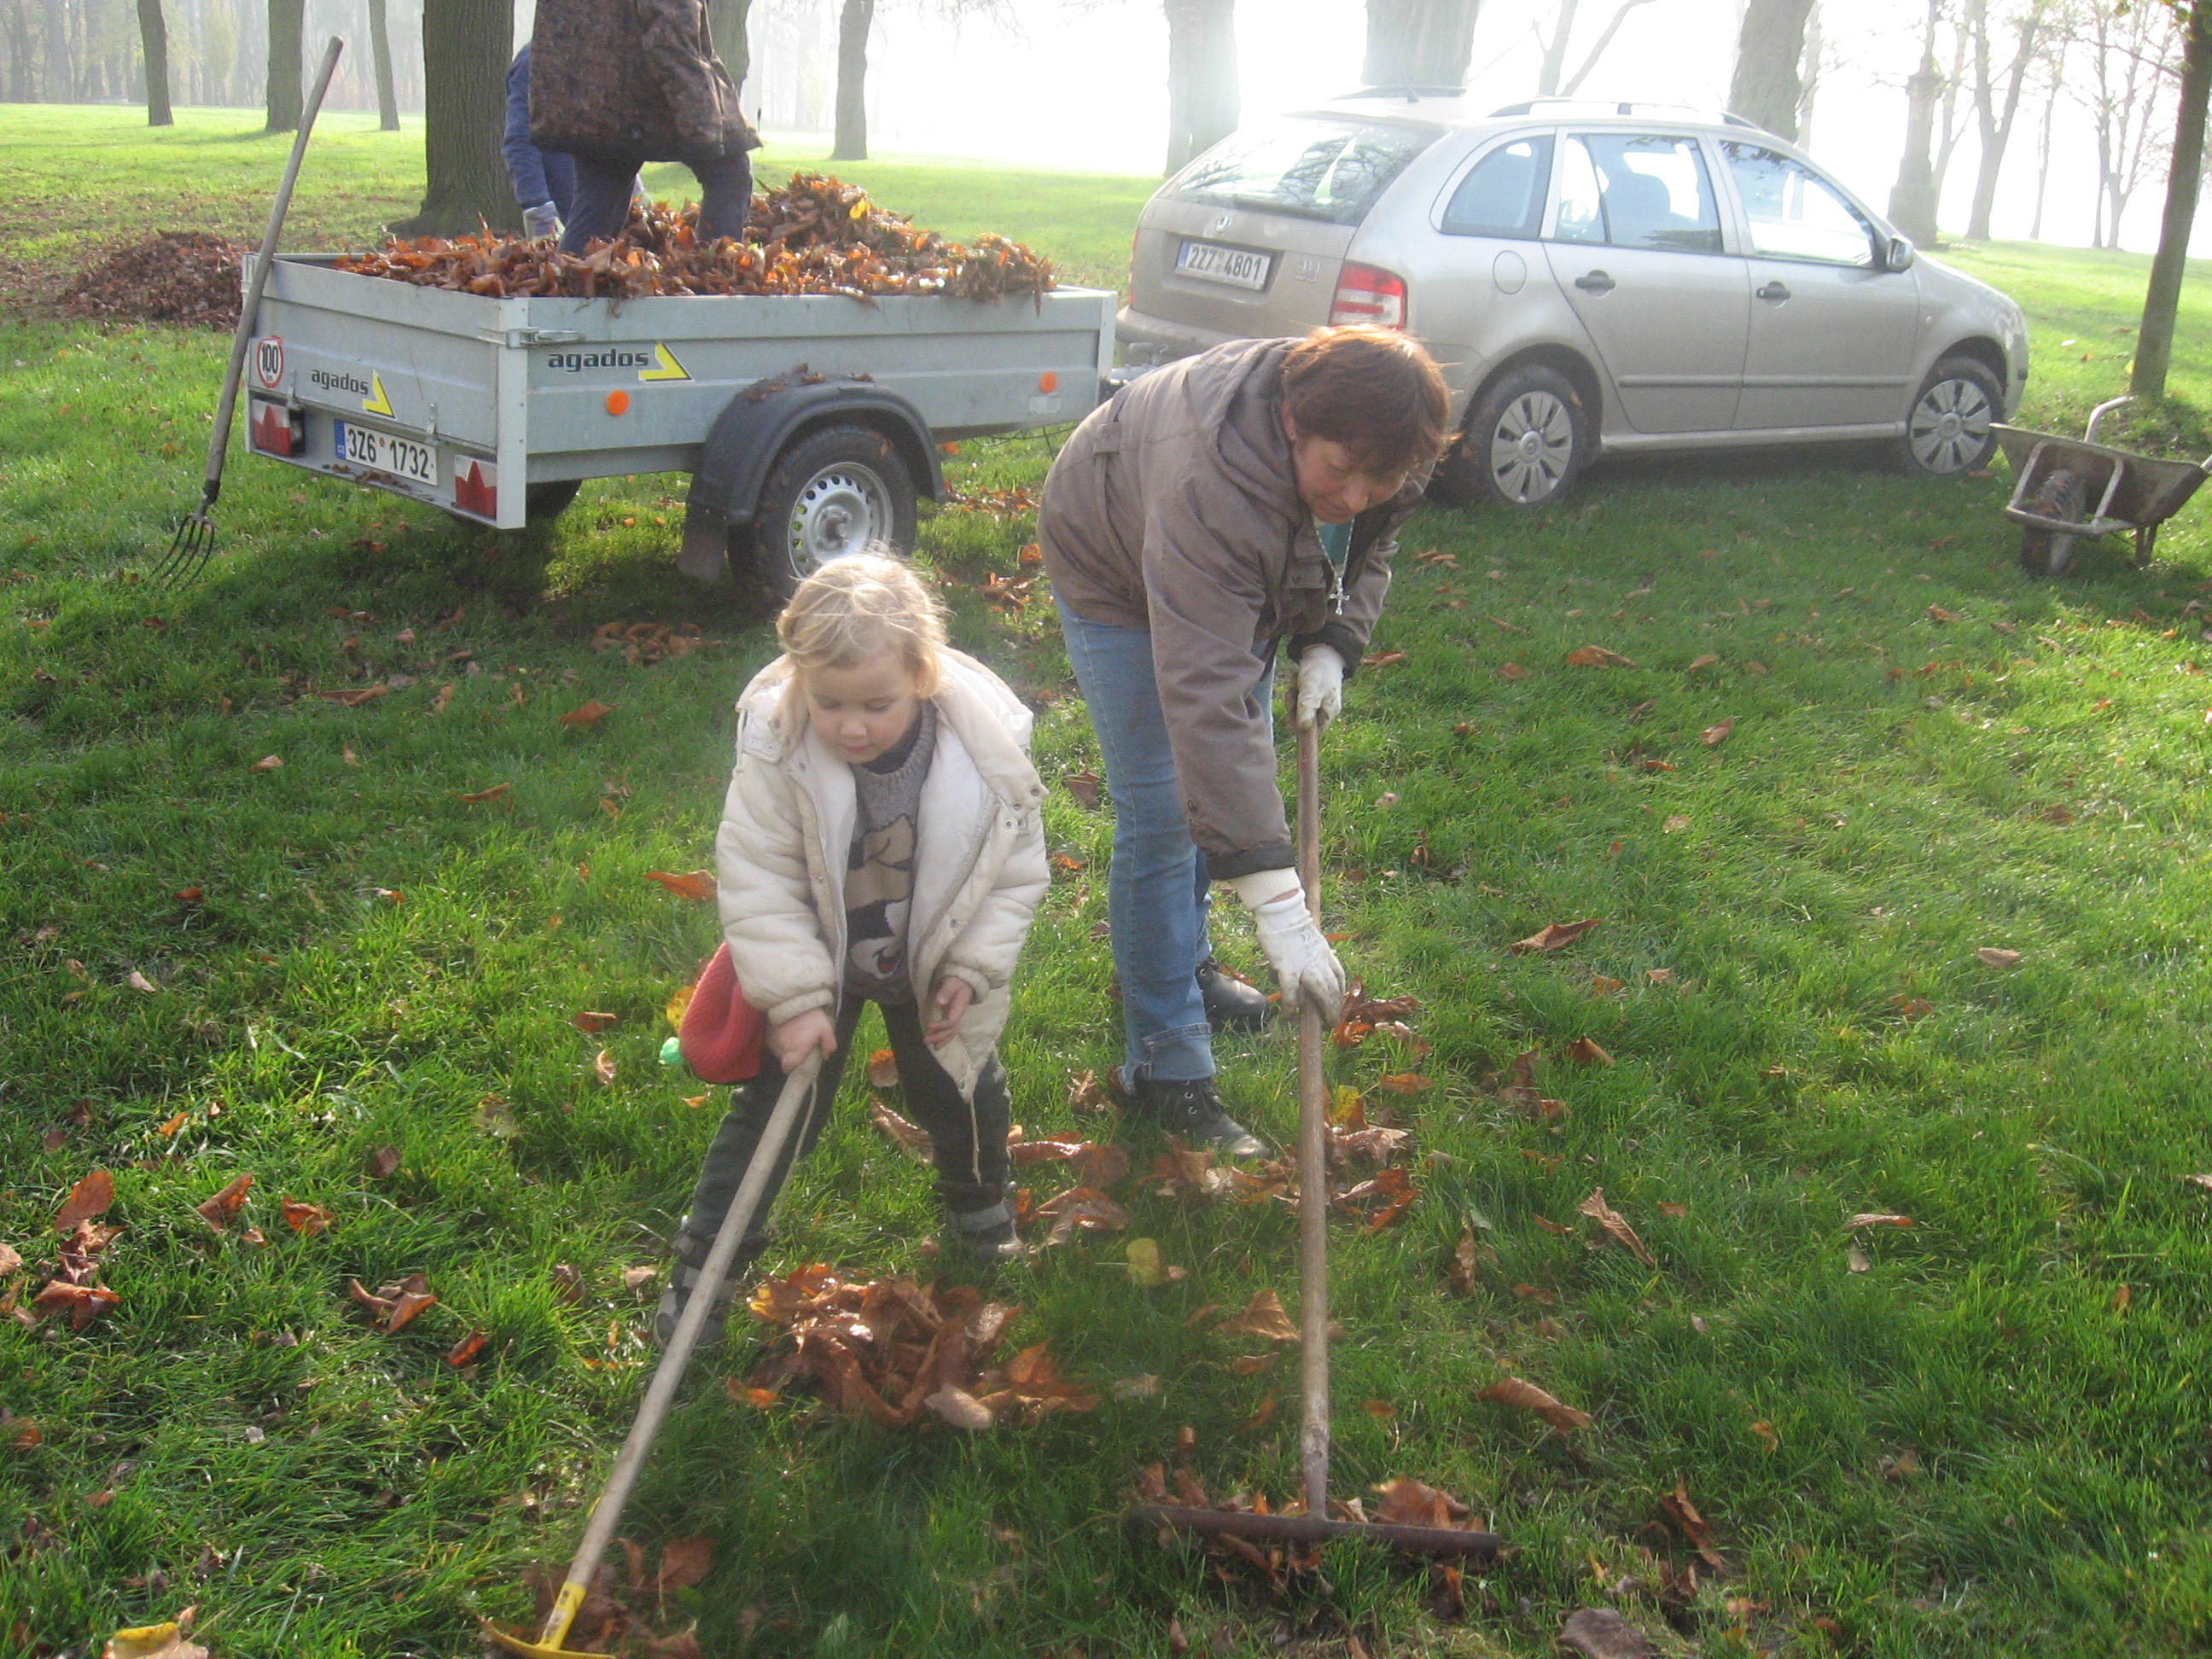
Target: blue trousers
[(601, 207), (1157, 890)]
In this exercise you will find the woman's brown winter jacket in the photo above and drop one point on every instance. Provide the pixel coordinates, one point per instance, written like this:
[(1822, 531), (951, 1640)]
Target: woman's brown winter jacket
[(631, 81)]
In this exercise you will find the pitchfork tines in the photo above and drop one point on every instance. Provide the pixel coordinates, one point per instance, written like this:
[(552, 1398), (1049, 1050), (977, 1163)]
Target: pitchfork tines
[(190, 550)]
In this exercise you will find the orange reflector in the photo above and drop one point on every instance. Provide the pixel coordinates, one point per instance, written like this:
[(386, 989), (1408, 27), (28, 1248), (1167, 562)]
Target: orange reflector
[(1047, 382), (618, 401)]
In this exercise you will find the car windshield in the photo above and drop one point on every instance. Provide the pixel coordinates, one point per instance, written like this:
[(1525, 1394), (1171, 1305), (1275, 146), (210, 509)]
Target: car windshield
[(1313, 165)]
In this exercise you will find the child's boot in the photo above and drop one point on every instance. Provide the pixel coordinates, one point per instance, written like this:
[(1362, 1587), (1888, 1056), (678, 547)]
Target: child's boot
[(984, 1236), (690, 1257)]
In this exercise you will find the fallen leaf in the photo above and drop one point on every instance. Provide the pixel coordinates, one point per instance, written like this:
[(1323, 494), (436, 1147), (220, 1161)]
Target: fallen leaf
[(1678, 822), (492, 794), (1466, 1262), (1602, 985), (445, 695), (138, 981), (590, 1021), (1705, 661), (1596, 656), (1262, 1416), (152, 1642), (1994, 958), (466, 1349), (1677, 1508), (267, 763), (1602, 1633), (1083, 786), (306, 1219), (382, 1163), (222, 1209), (1936, 613), (1146, 1266), (394, 1306), (1248, 1364), (1382, 659), (1553, 936), (1858, 1260), (1675, 1212), (23, 1433), (10, 1261), (961, 1409), (1381, 1410), (1714, 736), (1659, 975), (683, 1563), (1143, 1387), (167, 1129), (882, 1069), (1263, 1316), (1178, 1643), (590, 713), (602, 1067), (759, 1399), (1913, 1007), (87, 1202), (189, 894), (1615, 1225), (1584, 1052), (697, 886), (909, 1138), (1764, 1431), (346, 754), (1512, 670), (1403, 1083), (1513, 1391), (568, 1284), (1872, 1219)]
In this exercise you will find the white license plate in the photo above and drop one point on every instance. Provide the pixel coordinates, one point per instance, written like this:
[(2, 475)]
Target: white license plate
[(1237, 267), (380, 452)]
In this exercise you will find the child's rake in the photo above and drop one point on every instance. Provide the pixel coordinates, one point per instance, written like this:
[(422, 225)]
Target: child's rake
[(194, 543)]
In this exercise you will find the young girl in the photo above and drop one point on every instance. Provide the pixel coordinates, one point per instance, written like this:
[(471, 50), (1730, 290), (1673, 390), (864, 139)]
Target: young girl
[(882, 842)]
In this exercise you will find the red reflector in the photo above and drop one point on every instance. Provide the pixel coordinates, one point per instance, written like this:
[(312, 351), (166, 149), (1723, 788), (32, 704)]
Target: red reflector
[(1364, 295), (271, 430)]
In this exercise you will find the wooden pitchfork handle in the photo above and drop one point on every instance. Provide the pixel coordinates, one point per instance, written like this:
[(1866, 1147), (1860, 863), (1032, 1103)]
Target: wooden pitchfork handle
[(1312, 1160), (257, 276), (660, 1393)]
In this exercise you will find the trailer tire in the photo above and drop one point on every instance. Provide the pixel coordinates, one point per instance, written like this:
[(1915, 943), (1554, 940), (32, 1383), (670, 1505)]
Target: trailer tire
[(831, 493), (551, 498)]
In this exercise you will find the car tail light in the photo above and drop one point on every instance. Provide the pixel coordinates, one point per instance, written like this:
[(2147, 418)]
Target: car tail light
[(1364, 295)]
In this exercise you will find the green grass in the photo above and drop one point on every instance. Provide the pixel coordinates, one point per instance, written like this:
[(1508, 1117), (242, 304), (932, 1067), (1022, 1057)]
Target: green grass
[(1884, 808)]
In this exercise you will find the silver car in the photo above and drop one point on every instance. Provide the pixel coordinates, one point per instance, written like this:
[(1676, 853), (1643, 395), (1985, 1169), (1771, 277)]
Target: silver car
[(1614, 278)]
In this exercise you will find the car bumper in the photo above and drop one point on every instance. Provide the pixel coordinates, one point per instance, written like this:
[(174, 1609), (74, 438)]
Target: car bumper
[(1147, 340)]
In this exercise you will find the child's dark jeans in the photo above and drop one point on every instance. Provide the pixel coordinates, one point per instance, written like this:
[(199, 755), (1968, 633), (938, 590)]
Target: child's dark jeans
[(969, 1144)]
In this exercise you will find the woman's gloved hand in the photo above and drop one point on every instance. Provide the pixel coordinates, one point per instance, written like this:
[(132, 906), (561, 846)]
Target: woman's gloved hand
[(542, 220), (1321, 686), (1304, 961)]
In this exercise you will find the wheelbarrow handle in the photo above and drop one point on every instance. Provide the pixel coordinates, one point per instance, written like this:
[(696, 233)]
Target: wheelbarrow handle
[(2098, 414)]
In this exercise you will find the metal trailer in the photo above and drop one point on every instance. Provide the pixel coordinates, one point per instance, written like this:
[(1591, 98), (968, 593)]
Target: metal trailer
[(809, 422)]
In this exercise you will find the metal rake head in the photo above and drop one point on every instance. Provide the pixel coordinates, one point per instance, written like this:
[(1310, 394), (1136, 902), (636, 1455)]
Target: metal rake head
[(190, 550)]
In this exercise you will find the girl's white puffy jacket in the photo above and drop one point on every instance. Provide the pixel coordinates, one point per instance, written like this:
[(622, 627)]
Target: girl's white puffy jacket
[(979, 870)]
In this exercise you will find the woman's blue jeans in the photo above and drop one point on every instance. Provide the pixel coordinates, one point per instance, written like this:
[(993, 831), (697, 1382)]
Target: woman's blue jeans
[(1157, 890)]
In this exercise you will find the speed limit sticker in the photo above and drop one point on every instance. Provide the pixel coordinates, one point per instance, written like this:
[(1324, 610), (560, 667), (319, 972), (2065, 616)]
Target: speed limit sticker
[(269, 361)]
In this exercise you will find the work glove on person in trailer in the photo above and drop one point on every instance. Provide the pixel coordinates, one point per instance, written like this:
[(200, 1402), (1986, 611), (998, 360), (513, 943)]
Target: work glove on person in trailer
[(1321, 686), (542, 220), (1305, 964)]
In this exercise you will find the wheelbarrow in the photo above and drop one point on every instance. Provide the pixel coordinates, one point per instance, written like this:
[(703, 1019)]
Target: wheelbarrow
[(2056, 480)]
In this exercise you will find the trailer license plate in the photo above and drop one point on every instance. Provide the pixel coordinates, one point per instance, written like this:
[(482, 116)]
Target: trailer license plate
[(380, 452), (1237, 267)]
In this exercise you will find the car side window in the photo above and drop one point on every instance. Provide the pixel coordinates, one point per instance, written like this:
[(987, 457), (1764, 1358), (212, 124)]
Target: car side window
[(1794, 213), (1503, 194), (1652, 192)]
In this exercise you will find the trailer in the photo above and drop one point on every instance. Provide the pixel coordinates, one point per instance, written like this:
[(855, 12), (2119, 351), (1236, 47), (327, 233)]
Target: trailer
[(810, 423)]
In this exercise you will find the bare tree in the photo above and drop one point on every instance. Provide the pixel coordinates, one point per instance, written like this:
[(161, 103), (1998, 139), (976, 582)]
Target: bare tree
[(466, 44), (2128, 45), (283, 90), (1419, 43), (1995, 110), (380, 49), (2184, 176), (2055, 67), (858, 18), (1551, 77), (1913, 198), (1766, 87), (1810, 64), (1202, 93), (154, 38)]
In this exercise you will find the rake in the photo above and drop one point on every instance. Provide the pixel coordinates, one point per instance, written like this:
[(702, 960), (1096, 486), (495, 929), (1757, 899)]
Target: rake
[(193, 544), (1317, 1525)]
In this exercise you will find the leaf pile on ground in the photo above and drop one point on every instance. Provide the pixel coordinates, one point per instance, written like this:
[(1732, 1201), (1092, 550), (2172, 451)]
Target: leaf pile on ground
[(813, 235), (612, 1619), (187, 277), (892, 1349)]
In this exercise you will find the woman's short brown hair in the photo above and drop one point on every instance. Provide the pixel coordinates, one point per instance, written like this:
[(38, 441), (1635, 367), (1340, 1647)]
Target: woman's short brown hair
[(1373, 390)]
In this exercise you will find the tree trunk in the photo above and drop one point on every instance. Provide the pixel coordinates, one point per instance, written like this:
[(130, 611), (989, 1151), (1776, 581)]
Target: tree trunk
[(2043, 163), (726, 22), (379, 47), (1996, 121), (853, 25), (1765, 88), (1202, 92), (466, 44), (2163, 297), (1554, 69), (1809, 77), (1605, 38), (1913, 198), (154, 38), (281, 89), (1419, 43)]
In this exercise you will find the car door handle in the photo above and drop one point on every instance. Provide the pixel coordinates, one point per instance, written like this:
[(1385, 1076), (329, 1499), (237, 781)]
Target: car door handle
[(1774, 291), (1596, 281)]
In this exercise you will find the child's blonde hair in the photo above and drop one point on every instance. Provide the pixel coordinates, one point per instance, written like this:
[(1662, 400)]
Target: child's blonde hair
[(858, 607)]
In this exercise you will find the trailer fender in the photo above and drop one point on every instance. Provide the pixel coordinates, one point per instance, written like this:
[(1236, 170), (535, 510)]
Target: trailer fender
[(748, 435)]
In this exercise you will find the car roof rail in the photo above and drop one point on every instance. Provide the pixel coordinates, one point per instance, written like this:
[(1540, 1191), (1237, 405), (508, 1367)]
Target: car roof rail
[(1620, 106)]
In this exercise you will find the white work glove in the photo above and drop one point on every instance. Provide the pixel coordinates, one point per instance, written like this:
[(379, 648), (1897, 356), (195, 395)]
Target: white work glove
[(1305, 964), (1321, 686), (542, 220)]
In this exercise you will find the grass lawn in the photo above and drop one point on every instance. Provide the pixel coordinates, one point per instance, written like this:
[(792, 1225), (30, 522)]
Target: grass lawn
[(1986, 1433)]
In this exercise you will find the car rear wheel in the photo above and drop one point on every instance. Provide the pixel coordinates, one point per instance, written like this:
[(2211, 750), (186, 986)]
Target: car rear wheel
[(1947, 432), (1525, 444), (832, 494)]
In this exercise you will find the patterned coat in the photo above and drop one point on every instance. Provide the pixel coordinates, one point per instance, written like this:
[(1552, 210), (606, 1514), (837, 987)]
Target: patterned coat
[(632, 81)]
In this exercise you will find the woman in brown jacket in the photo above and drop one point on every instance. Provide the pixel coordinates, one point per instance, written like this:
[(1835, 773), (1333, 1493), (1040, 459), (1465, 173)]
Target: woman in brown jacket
[(616, 83), (1216, 509)]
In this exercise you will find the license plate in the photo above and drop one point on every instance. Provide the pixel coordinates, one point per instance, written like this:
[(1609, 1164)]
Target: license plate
[(380, 452), (1237, 267)]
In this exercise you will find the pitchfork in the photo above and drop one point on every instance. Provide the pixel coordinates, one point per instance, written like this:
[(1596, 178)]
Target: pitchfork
[(194, 543)]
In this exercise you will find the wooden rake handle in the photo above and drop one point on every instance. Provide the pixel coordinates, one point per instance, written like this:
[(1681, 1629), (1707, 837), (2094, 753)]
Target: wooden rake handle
[(1313, 1161)]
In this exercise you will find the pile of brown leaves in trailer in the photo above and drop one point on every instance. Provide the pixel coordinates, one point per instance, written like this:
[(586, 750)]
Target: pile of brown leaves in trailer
[(813, 235)]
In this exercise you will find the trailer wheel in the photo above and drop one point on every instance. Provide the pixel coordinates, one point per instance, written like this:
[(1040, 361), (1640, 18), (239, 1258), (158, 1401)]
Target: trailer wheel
[(830, 494)]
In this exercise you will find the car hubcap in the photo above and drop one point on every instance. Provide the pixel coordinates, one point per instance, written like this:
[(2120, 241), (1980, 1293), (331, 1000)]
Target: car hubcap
[(1950, 427), (841, 509), (1532, 447)]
